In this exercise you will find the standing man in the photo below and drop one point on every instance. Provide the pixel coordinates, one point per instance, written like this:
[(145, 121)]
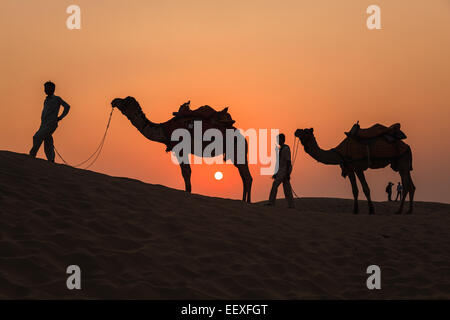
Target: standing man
[(389, 190), (283, 174), (49, 122), (399, 191)]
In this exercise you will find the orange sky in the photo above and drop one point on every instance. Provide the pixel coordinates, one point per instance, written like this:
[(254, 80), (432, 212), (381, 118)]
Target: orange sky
[(277, 64)]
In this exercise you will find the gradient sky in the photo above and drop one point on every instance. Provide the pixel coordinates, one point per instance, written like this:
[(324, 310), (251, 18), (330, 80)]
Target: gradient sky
[(277, 64)]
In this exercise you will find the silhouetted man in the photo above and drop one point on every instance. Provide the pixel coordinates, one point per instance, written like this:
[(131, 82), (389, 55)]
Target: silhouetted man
[(49, 122), (389, 190), (399, 191), (283, 175)]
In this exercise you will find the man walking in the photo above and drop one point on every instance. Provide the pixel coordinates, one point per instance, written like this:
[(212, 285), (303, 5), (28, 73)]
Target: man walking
[(283, 175), (399, 191), (389, 190), (49, 122)]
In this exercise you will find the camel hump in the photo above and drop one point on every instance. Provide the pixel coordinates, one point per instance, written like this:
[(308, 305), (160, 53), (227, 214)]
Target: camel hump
[(205, 112), (391, 133), (354, 149)]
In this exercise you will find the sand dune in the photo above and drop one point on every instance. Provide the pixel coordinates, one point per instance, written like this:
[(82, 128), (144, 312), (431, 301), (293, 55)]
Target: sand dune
[(136, 240)]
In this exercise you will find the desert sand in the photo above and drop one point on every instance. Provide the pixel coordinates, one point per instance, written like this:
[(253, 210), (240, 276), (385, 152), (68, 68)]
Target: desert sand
[(137, 240)]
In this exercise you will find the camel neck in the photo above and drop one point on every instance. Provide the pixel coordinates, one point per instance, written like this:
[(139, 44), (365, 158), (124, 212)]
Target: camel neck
[(322, 156)]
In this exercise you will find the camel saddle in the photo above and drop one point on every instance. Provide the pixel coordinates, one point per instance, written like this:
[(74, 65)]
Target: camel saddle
[(391, 134), (210, 118), (204, 112), (222, 118)]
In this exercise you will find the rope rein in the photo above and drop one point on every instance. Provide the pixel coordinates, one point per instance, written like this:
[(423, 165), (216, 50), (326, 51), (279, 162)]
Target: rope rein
[(97, 151), (296, 145), (295, 151), (94, 156)]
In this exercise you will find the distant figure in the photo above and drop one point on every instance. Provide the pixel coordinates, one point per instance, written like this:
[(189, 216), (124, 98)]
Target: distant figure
[(389, 190), (283, 175), (49, 122), (399, 191)]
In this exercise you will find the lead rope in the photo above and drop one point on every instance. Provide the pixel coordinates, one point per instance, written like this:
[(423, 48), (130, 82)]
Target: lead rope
[(296, 150), (293, 161), (96, 153)]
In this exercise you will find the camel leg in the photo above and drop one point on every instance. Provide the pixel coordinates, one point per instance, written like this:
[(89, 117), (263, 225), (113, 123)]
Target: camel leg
[(186, 172), (366, 190), (355, 191), (406, 189), (244, 190), (412, 190), (247, 180)]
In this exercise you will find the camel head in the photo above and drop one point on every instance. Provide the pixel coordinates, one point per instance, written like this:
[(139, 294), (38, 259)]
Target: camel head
[(224, 117), (121, 104), (305, 135)]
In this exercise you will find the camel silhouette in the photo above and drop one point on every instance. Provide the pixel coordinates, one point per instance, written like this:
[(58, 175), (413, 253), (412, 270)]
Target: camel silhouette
[(372, 148), (211, 119)]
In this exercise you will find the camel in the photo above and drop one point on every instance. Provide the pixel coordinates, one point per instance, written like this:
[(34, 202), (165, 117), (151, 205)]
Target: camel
[(369, 149), (161, 132)]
